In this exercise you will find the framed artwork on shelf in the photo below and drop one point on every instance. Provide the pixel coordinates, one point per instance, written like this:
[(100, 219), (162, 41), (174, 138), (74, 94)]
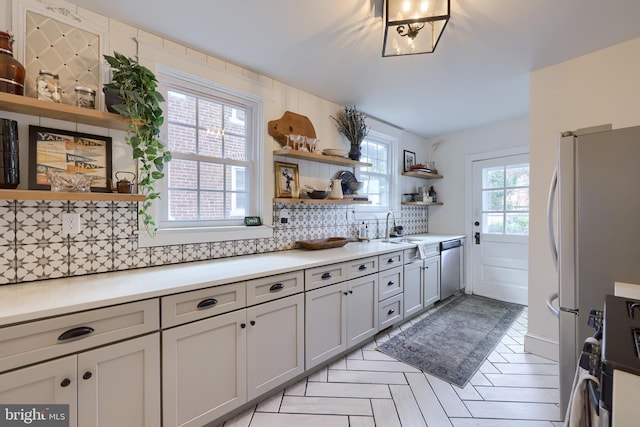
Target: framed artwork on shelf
[(287, 179), (54, 151), (409, 160)]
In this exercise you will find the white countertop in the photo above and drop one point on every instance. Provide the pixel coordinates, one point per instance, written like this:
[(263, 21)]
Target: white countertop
[(28, 301)]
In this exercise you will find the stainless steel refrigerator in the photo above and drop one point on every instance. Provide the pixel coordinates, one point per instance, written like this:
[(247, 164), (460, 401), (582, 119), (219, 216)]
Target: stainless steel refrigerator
[(598, 230)]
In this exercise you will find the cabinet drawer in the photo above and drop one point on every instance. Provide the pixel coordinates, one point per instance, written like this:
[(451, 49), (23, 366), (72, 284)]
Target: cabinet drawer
[(274, 287), (32, 342), (390, 312), (362, 267), (195, 305), (326, 275), (411, 255), (390, 282), (431, 250), (390, 260)]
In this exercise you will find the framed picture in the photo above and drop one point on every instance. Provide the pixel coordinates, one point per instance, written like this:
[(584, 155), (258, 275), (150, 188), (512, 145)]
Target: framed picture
[(53, 150), (409, 160), (286, 179)]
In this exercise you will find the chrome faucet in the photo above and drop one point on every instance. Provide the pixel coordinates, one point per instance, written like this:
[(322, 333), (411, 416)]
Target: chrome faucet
[(386, 226)]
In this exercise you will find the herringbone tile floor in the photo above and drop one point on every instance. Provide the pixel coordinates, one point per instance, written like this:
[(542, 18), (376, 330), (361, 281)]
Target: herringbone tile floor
[(370, 389)]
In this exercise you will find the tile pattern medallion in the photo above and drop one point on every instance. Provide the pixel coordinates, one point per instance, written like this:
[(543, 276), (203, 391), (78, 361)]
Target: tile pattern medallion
[(70, 52), (32, 246)]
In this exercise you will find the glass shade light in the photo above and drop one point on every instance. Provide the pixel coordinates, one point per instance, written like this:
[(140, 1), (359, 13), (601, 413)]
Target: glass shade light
[(413, 26)]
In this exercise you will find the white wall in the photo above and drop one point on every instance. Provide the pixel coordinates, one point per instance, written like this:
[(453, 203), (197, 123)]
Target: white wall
[(278, 97), (601, 87), (450, 153)]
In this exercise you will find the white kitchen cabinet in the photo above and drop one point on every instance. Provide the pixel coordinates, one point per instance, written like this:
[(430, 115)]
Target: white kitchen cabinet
[(325, 323), (118, 384), (390, 282), (413, 290), (362, 309), (204, 369), (215, 365), (431, 280), (275, 344), (339, 317), (390, 311), (44, 383)]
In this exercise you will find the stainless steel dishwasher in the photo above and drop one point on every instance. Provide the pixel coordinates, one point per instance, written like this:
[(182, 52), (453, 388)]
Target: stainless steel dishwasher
[(449, 268)]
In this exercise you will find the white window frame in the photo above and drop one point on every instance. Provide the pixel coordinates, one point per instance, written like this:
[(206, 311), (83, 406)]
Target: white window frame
[(170, 78), (370, 211)]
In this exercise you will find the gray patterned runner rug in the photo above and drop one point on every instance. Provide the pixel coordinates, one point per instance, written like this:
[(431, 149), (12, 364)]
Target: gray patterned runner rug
[(452, 342)]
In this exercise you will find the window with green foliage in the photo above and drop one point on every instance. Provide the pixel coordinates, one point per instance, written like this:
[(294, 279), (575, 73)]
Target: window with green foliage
[(505, 199)]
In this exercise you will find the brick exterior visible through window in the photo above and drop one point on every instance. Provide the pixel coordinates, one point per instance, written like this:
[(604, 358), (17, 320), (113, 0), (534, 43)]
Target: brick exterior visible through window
[(209, 174)]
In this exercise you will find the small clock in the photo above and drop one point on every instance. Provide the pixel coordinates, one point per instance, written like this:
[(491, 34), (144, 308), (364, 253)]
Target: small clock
[(252, 220)]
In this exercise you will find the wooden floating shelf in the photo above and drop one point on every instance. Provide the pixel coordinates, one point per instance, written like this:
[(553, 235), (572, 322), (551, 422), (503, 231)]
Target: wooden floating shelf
[(71, 113), (334, 160), (423, 175), (61, 195), (422, 203), (322, 201)]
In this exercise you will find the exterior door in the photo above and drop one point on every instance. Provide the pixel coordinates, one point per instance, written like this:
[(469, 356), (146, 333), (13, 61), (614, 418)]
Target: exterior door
[(500, 238)]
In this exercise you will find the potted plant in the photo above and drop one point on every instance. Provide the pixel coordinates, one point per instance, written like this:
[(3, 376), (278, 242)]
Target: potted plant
[(353, 125), (140, 101)]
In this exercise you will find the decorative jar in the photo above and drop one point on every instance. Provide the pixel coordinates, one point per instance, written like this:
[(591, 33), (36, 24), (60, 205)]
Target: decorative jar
[(85, 97), (48, 86), (12, 72)]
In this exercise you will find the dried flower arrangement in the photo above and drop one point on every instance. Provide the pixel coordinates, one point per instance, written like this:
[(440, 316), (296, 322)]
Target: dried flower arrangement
[(353, 125)]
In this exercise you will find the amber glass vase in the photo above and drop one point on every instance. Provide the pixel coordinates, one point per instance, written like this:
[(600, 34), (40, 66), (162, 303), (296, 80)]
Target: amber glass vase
[(11, 71)]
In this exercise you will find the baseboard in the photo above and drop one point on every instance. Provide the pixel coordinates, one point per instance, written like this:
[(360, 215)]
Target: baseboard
[(541, 346)]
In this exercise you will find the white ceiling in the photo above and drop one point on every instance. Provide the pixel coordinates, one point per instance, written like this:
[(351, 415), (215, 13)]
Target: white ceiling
[(478, 74)]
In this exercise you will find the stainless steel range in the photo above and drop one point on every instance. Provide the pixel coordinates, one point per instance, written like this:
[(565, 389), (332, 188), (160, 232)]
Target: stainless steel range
[(607, 382), (620, 365)]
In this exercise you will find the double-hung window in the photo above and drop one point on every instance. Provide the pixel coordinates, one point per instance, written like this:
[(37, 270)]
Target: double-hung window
[(214, 179), (378, 150)]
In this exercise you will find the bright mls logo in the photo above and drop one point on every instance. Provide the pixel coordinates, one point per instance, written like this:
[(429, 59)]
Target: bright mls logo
[(34, 415)]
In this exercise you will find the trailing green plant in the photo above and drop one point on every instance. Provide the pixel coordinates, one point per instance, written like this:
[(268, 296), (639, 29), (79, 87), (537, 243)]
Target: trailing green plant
[(137, 86)]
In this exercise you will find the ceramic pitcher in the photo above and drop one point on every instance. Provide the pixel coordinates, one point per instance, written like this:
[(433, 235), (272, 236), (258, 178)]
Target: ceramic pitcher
[(336, 189)]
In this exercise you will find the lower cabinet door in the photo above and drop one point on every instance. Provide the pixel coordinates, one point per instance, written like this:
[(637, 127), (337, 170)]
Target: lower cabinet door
[(325, 323), (44, 383), (275, 343), (204, 369), (119, 384), (431, 281), (362, 309), (412, 289)]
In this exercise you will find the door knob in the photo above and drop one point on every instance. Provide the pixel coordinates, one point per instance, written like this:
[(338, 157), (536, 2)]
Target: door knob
[(477, 237), (476, 223)]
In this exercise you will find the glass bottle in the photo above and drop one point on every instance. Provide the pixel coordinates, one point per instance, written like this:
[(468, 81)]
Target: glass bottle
[(12, 72)]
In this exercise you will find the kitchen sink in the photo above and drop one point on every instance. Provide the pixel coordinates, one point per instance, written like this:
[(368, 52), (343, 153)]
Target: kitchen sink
[(403, 240)]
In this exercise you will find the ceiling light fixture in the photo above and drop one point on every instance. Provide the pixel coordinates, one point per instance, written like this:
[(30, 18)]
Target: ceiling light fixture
[(413, 26)]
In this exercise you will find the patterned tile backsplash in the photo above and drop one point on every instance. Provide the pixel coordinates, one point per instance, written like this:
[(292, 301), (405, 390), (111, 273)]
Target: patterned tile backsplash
[(32, 246)]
